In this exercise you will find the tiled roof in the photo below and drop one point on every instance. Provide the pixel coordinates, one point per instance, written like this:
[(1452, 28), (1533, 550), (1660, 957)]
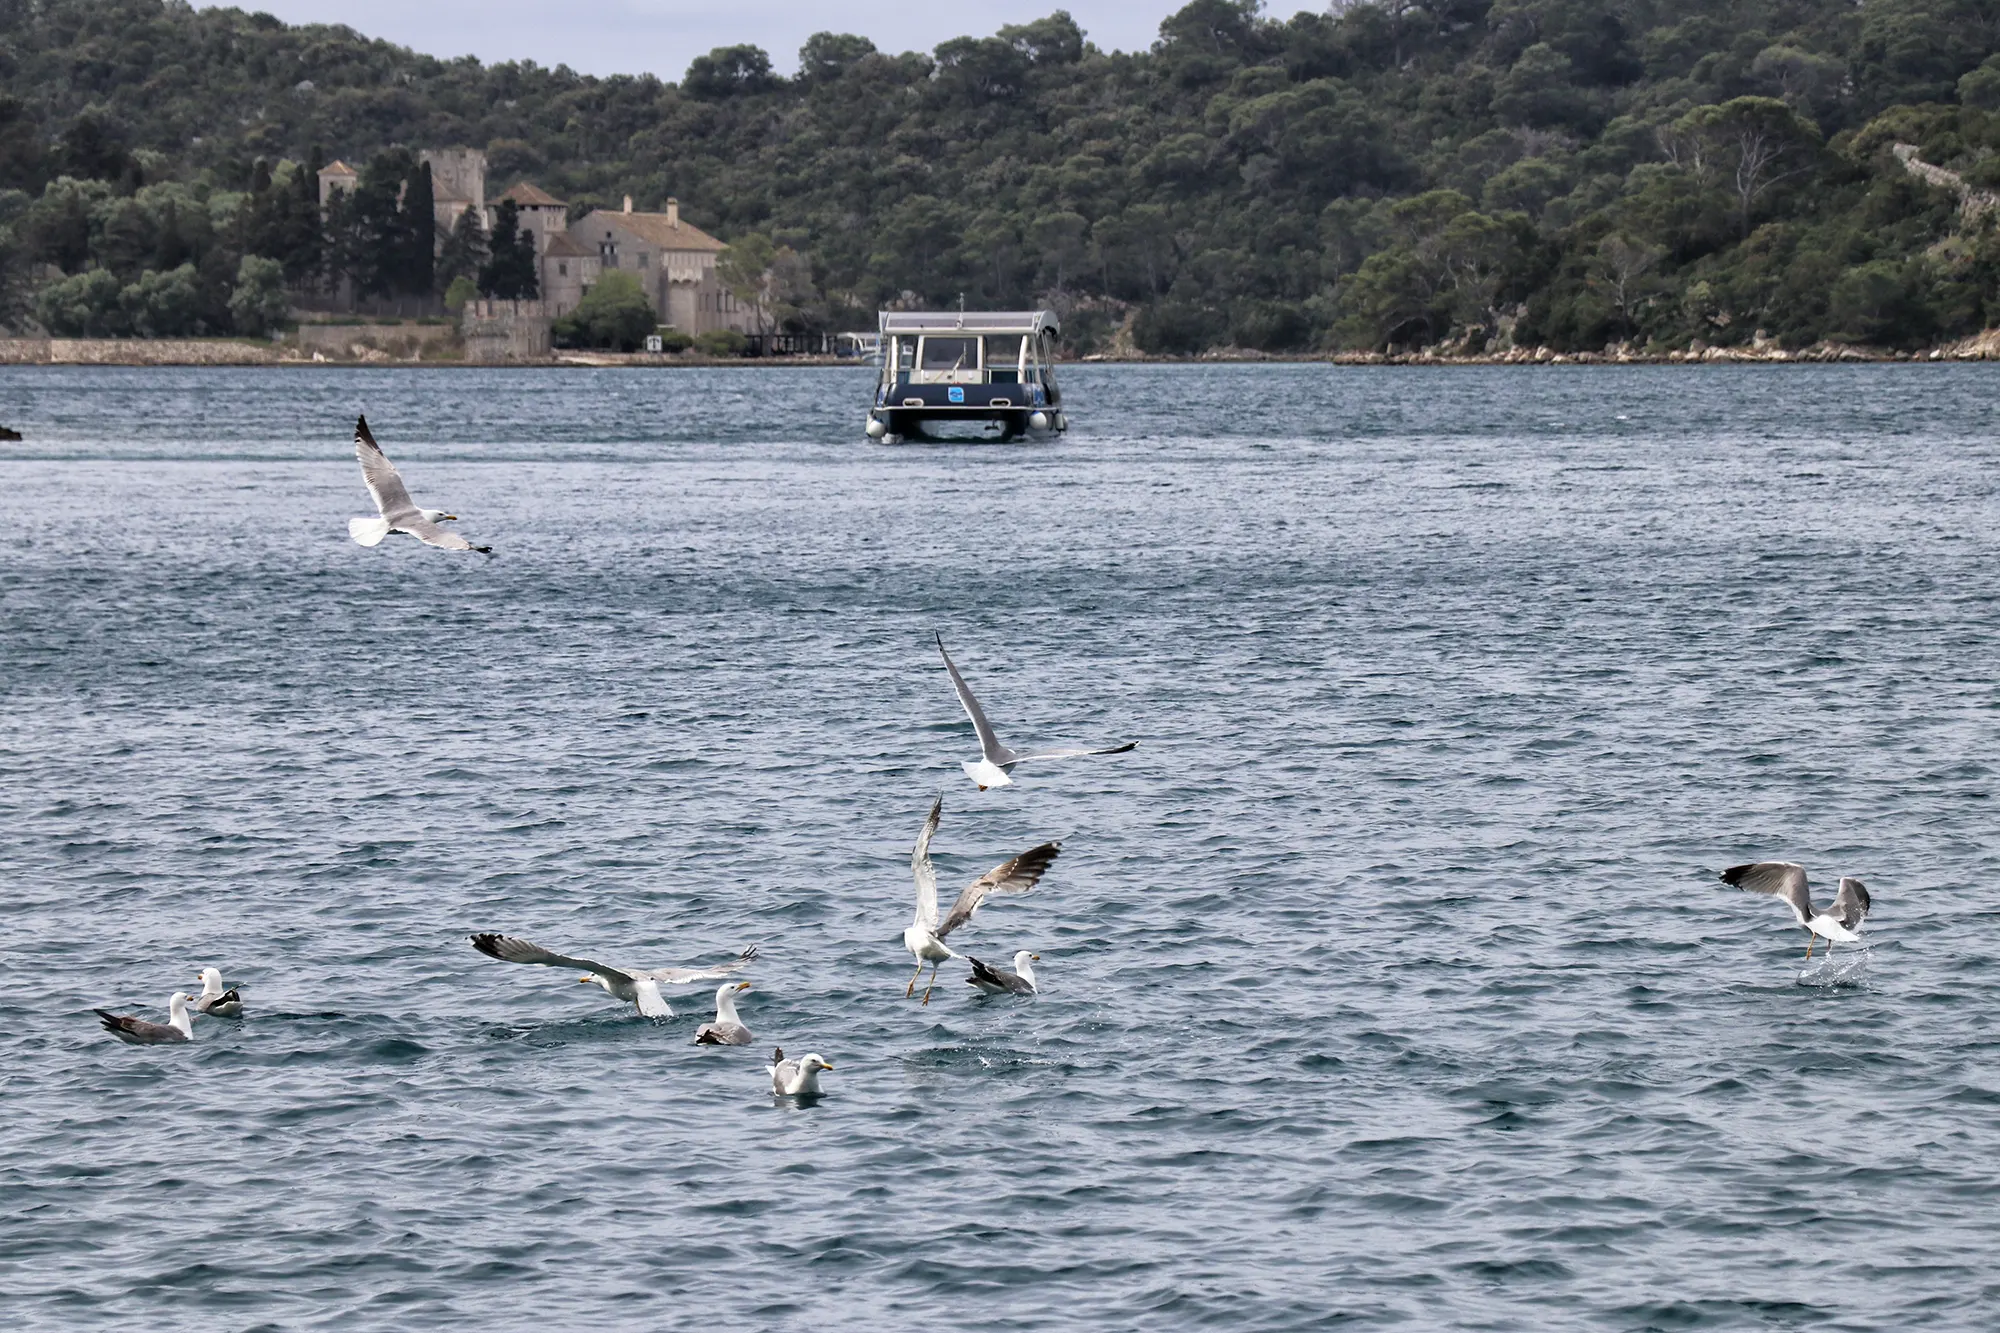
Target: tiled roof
[(655, 229), (531, 195), (565, 246), (338, 168)]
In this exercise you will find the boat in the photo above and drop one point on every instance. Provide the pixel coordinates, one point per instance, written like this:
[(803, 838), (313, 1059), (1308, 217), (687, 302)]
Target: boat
[(993, 370)]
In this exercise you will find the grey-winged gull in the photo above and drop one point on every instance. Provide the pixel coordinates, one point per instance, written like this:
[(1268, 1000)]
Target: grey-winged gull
[(632, 985), (795, 1078), (139, 1032), (1783, 879), (999, 981), (727, 1029), (215, 1000), (995, 759), (924, 937), (398, 512)]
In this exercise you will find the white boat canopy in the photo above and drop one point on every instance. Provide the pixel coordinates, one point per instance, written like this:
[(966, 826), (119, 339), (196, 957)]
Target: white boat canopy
[(970, 321)]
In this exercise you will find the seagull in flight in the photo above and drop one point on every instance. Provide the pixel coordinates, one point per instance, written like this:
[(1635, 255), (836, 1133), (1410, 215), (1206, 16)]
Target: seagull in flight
[(398, 512), (924, 937), (996, 759), (1783, 879), (641, 988)]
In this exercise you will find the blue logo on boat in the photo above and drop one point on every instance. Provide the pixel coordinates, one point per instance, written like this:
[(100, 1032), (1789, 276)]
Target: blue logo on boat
[(955, 394)]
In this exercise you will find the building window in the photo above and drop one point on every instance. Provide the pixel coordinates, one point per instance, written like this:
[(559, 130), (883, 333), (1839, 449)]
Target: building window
[(642, 259), (563, 270)]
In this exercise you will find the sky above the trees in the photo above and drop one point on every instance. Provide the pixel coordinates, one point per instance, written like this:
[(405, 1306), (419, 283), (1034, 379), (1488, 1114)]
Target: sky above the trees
[(662, 36)]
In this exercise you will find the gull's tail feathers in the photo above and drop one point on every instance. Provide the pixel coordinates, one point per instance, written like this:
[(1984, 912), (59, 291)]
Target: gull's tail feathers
[(986, 774), (368, 531)]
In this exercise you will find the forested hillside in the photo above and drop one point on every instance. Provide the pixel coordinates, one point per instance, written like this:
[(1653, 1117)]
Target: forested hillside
[(1459, 172)]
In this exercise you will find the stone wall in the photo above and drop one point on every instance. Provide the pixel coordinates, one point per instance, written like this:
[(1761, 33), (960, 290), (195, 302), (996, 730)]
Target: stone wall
[(135, 352), (497, 332), (373, 342)]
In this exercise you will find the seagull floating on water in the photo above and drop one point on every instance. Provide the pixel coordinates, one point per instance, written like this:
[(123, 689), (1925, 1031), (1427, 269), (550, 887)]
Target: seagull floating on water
[(795, 1078), (1783, 879), (215, 1000), (632, 985), (999, 981), (995, 759), (398, 512), (727, 1029), (924, 937), (139, 1032)]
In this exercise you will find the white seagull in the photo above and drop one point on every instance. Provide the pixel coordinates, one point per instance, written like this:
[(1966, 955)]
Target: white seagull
[(139, 1032), (1842, 921), (925, 936), (215, 1000), (727, 1029), (795, 1078), (999, 981), (996, 759), (398, 512), (632, 985)]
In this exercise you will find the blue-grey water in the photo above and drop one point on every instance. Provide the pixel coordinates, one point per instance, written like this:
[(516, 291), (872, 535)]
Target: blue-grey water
[(1386, 983)]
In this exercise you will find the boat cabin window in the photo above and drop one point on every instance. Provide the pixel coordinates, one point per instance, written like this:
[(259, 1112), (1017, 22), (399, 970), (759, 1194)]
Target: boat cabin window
[(953, 360), (1003, 357)]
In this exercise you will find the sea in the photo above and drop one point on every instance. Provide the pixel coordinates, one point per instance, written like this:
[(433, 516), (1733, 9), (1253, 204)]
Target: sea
[(1387, 983)]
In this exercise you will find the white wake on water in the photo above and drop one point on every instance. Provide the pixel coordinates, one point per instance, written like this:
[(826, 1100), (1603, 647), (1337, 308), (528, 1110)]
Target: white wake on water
[(1846, 968)]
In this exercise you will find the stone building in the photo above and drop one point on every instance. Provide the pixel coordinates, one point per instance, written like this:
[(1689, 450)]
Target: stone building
[(542, 214), (568, 271), (458, 182), (673, 260), (336, 175)]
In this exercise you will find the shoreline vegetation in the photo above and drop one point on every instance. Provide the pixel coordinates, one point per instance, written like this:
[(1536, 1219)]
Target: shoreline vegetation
[(1364, 179), (256, 352)]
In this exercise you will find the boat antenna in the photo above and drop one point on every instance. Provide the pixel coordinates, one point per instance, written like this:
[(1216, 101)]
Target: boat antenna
[(961, 310)]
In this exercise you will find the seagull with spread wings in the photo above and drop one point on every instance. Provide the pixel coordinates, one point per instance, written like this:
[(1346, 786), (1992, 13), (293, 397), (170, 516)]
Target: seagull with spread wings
[(1783, 879), (995, 759), (398, 512), (632, 985), (924, 937)]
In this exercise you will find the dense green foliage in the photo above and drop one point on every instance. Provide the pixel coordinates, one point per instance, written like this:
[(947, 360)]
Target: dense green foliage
[(613, 314), (1569, 172)]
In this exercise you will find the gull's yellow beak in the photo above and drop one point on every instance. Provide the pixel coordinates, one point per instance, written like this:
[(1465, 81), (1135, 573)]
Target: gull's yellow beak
[(742, 985), (829, 1064), (585, 980), (449, 518), (1034, 958)]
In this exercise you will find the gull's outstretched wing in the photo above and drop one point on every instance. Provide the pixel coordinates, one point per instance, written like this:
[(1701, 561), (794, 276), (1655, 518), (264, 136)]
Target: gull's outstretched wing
[(1015, 876), (1073, 753), (392, 497), (430, 534), (989, 744), (921, 871), (1782, 879), (646, 994), (510, 950), (1850, 904), (680, 976)]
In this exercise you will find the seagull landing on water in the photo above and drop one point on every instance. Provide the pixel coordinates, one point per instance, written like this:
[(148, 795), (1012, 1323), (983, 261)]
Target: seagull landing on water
[(636, 987), (995, 759), (999, 981), (795, 1078), (727, 1029), (398, 512), (138, 1032), (1842, 921), (924, 937), (215, 1000)]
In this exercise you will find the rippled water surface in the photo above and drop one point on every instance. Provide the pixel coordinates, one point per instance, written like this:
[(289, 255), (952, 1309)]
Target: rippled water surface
[(1386, 983)]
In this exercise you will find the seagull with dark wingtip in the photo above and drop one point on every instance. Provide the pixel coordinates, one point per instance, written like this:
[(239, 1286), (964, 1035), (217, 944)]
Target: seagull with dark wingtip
[(397, 512), (1783, 879)]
